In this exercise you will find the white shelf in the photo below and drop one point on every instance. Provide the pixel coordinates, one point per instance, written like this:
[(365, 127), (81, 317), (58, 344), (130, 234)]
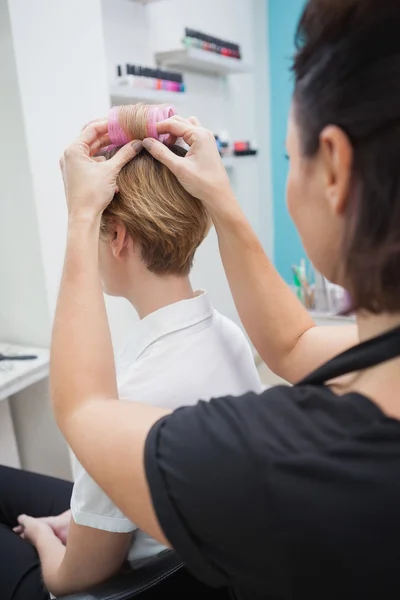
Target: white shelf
[(203, 61), (230, 162), (18, 375), (145, 1), (125, 94), (329, 318)]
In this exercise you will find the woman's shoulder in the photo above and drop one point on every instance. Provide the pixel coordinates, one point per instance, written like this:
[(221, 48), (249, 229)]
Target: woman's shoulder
[(243, 459), (280, 421)]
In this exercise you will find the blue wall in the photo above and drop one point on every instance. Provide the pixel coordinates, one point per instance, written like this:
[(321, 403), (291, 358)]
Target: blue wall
[(283, 19)]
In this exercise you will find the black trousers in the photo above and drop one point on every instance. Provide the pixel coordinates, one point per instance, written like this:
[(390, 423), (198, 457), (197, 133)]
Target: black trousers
[(35, 495), (39, 496)]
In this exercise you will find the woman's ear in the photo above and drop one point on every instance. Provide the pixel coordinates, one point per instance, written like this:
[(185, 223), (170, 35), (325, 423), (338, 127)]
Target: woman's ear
[(119, 238), (337, 160)]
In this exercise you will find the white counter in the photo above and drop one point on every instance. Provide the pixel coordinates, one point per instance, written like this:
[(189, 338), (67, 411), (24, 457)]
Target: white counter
[(324, 319), (16, 376)]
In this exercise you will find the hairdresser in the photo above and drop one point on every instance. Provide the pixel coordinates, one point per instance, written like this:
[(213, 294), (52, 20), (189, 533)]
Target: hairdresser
[(295, 493)]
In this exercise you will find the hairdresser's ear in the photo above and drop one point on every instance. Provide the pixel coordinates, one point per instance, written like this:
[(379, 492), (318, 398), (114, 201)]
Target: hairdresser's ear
[(336, 153), (119, 238)]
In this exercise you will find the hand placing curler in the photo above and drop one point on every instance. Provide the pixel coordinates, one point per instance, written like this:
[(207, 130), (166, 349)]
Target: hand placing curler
[(201, 172), (90, 181)]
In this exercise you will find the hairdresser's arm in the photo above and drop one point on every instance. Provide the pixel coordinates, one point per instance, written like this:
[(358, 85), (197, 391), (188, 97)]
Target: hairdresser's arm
[(82, 372), (282, 331)]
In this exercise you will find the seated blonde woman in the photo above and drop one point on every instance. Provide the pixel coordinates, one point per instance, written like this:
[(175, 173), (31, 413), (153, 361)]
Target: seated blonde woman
[(182, 350)]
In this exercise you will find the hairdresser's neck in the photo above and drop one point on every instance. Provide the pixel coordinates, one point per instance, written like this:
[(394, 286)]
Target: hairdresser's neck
[(153, 292), (370, 326)]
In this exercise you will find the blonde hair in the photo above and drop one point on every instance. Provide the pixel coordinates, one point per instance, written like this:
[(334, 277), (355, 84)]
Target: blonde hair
[(158, 213)]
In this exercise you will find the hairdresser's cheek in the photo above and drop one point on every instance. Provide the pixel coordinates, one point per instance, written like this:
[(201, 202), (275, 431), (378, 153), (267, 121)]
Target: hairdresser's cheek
[(292, 198)]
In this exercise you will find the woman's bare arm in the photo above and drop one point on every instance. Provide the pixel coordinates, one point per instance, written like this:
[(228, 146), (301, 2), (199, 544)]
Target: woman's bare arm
[(281, 329), (106, 435), (90, 557)]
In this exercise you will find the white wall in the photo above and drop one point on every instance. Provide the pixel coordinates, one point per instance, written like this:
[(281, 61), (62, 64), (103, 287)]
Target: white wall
[(59, 52), (55, 80), (239, 104), (23, 301)]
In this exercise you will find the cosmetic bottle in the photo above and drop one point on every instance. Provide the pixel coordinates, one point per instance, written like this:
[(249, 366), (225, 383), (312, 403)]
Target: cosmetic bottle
[(158, 80), (124, 79), (182, 87), (224, 141)]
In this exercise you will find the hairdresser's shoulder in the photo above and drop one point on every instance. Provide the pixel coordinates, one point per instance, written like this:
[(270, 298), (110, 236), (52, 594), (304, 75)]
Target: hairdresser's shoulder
[(214, 469), (280, 420)]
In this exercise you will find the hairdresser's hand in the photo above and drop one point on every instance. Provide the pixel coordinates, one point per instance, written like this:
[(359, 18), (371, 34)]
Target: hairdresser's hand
[(201, 171), (90, 181)]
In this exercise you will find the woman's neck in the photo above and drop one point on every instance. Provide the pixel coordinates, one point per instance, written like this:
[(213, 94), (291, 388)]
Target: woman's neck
[(380, 383), (370, 326), (151, 292)]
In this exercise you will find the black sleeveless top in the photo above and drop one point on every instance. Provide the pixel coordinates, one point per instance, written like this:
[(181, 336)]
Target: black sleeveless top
[(293, 494)]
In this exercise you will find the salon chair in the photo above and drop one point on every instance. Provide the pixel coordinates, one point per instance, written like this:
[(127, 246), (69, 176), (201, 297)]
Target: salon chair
[(129, 584)]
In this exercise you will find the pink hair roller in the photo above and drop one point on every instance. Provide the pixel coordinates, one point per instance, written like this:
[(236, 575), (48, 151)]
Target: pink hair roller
[(167, 112), (155, 115), (117, 135)]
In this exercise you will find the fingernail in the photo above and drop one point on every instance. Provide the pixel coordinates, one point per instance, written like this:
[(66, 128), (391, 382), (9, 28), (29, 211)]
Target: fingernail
[(137, 146), (147, 143)]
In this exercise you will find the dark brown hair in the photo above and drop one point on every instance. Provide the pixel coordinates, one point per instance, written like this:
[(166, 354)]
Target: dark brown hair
[(347, 72), (159, 213)]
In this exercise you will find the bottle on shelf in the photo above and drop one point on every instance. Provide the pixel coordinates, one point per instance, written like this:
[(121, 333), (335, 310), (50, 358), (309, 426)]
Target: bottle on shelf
[(149, 78), (196, 39)]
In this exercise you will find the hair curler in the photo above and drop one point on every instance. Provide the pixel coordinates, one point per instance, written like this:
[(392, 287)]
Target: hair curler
[(155, 114)]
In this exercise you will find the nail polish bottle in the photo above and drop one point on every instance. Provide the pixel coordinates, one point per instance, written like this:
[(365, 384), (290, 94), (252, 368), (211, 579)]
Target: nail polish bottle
[(158, 73), (214, 45), (164, 81), (178, 82), (124, 79), (172, 82), (119, 75)]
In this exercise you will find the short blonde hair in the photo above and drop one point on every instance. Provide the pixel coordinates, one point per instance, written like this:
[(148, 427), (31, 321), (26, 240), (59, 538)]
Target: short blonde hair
[(159, 213)]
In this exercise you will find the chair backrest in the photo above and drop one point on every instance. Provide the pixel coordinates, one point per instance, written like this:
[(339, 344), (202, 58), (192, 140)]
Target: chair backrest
[(128, 585)]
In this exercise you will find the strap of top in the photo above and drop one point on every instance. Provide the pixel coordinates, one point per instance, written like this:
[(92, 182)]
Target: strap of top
[(363, 356)]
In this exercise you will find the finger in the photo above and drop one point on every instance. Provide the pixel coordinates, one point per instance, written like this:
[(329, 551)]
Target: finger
[(93, 132), (176, 126), (162, 153), (127, 153), (183, 129), (99, 158), (18, 529), (47, 520), (99, 143), (98, 120), (194, 121), (22, 519)]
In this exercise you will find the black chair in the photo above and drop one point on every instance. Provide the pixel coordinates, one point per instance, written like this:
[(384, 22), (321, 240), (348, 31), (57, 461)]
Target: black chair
[(129, 584)]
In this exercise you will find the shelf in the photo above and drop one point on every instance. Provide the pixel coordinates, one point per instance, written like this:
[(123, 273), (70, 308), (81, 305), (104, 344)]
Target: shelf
[(230, 162), (203, 61), (330, 317), (125, 94), (145, 1)]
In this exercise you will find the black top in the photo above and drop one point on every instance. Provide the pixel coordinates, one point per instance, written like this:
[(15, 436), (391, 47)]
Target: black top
[(294, 494)]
